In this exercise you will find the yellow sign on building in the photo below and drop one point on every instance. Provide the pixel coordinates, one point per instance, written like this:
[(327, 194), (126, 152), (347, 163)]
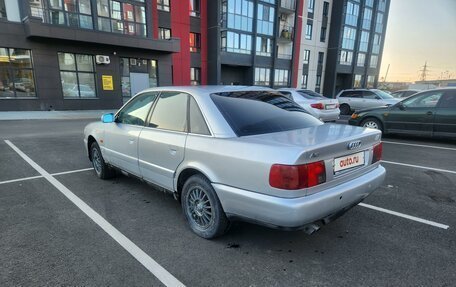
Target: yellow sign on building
[(108, 84)]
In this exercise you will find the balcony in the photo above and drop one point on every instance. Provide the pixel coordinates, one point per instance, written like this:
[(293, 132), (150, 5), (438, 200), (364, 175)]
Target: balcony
[(286, 34), (288, 6)]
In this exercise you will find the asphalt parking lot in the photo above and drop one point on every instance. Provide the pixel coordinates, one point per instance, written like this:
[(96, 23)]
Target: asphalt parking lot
[(402, 235)]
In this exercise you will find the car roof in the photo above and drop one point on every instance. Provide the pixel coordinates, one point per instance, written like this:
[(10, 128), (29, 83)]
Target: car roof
[(204, 90)]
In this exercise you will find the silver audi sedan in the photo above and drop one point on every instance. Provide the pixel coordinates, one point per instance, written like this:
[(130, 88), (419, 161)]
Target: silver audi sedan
[(238, 153)]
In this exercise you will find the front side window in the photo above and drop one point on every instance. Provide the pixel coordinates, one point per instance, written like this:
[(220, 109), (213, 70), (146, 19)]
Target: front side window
[(197, 123), (252, 113), (425, 100), (170, 112), (195, 42), (122, 17), (77, 75), (16, 73), (135, 112), (262, 76)]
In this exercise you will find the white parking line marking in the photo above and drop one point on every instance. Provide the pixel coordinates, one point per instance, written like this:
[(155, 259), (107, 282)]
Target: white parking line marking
[(20, 179), (419, 166), (150, 264), (421, 145), (417, 219), (40, 176)]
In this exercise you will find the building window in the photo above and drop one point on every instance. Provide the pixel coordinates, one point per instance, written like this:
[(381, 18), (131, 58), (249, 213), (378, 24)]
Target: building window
[(77, 74), (382, 5), (2, 9), (280, 77), (163, 5), (237, 14), (351, 14), (323, 34), (376, 44), (264, 46), (304, 81), (358, 81), (16, 73), (195, 42), (121, 17), (379, 23), (318, 82), (137, 65), (195, 76), (262, 76), (367, 18), (265, 23), (348, 40), (370, 3), (321, 58), (309, 31), (346, 57), (75, 13), (325, 9), (373, 61), (370, 81), (306, 56), (310, 6), (361, 60), (195, 8), (236, 42), (364, 41), (164, 33)]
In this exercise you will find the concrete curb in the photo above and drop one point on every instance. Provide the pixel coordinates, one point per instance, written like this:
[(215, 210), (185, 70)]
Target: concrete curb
[(53, 115)]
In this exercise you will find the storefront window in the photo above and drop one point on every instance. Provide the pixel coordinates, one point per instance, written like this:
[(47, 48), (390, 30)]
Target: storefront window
[(16, 73), (77, 75)]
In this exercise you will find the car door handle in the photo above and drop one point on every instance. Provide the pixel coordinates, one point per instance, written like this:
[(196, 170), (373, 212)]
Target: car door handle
[(172, 151), (429, 113), (131, 141)]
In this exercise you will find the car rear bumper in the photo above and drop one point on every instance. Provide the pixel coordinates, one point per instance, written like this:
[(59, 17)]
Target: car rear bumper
[(328, 115), (297, 212)]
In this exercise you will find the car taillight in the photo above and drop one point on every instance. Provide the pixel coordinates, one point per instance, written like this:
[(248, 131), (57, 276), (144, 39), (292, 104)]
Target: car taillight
[(297, 176), (319, 106), (378, 149)]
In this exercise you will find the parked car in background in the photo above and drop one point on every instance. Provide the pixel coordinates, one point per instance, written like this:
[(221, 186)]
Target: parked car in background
[(404, 93), (317, 105), (244, 153), (85, 91), (429, 113), (358, 99)]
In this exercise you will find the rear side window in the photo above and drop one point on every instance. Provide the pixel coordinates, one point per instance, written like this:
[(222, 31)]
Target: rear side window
[(370, 95), (251, 117), (352, 94), (197, 123), (448, 100), (170, 112)]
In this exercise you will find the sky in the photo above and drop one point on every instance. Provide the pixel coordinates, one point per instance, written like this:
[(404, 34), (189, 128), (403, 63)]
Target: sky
[(419, 31)]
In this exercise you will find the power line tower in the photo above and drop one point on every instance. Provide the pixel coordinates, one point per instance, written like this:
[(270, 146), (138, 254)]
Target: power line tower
[(424, 71)]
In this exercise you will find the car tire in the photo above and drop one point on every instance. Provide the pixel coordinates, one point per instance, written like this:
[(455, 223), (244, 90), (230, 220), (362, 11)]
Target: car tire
[(202, 208), (344, 109), (372, 123), (102, 170)]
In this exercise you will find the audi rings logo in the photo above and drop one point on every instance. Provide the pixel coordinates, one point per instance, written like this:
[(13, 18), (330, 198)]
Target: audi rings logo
[(354, 145)]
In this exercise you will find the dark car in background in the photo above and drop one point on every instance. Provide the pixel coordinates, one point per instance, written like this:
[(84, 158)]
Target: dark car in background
[(429, 113), (404, 93)]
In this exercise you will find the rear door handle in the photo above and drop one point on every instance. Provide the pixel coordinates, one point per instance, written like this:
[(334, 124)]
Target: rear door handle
[(131, 141), (429, 113)]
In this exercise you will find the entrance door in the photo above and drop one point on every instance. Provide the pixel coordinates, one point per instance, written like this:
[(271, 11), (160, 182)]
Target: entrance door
[(139, 82)]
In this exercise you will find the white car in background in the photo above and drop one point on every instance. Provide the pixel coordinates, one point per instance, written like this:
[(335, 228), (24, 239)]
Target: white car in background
[(317, 105), (359, 99)]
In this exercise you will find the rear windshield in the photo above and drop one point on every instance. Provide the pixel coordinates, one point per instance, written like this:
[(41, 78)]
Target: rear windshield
[(253, 113), (310, 94)]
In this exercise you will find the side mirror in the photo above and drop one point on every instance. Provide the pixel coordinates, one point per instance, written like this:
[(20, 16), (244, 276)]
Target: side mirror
[(377, 98), (107, 118), (401, 106)]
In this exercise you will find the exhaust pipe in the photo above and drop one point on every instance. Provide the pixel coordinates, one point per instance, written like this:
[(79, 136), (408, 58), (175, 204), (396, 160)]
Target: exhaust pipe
[(311, 228)]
